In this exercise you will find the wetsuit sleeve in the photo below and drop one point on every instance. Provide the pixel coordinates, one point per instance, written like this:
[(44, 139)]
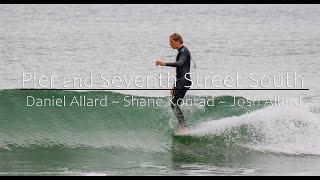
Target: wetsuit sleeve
[(180, 62)]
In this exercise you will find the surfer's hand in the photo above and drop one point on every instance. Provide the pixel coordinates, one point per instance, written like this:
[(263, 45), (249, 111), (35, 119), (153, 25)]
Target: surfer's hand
[(160, 63), (172, 92)]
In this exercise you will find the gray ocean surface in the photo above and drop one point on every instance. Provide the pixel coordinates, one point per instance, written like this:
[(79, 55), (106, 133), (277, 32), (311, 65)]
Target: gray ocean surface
[(125, 40)]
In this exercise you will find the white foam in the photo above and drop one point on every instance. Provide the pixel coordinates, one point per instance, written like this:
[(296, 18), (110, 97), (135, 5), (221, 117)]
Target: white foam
[(291, 130)]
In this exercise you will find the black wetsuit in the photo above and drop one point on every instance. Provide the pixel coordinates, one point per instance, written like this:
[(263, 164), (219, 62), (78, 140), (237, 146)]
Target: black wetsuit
[(183, 82)]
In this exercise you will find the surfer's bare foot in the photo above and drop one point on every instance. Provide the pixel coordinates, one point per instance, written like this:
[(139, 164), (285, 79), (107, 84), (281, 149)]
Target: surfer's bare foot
[(182, 131)]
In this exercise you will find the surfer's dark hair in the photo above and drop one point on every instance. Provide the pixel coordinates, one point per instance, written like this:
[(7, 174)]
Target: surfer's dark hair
[(177, 37)]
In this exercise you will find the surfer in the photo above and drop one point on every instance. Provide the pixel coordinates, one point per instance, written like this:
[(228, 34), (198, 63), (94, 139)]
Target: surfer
[(183, 80)]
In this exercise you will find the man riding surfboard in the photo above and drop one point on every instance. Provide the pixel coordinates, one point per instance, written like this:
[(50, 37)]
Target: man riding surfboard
[(183, 80)]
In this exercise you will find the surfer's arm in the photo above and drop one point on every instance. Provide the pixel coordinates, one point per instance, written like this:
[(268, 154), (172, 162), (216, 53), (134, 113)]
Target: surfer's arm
[(179, 63)]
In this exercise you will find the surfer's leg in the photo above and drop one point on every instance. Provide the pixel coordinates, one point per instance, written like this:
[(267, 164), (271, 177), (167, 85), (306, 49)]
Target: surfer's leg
[(179, 93), (179, 116)]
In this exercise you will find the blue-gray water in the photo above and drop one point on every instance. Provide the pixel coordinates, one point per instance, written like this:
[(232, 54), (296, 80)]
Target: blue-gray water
[(125, 40)]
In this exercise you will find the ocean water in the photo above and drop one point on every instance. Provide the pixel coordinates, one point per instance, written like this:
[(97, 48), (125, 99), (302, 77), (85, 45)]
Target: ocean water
[(125, 40)]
